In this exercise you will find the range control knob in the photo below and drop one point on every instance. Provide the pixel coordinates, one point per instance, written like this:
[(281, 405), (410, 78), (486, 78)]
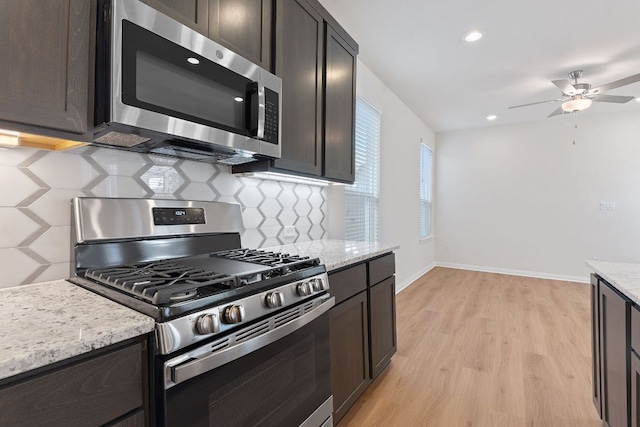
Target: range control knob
[(234, 314), (274, 299), (304, 289), (208, 324), (318, 285)]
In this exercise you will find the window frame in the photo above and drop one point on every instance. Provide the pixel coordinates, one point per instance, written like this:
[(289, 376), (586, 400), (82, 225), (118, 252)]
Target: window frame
[(425, 195)]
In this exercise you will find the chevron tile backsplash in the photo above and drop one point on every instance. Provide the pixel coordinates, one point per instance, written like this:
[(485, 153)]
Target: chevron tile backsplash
[(37, 186)]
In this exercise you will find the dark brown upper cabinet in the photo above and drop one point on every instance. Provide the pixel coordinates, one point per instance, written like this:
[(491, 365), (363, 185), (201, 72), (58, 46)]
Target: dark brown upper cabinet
[(45, 66), (244, 26), (192, 13), (339, 108), (316, 59), (299, 51)]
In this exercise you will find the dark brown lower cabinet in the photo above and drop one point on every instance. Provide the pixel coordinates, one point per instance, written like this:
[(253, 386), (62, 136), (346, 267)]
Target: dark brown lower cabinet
[(349, 352), (363, 328), (382, 324), (92, 391), (615, 350)]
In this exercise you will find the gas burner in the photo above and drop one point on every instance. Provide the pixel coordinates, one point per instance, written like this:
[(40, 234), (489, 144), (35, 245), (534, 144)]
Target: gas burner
[(162, 282)]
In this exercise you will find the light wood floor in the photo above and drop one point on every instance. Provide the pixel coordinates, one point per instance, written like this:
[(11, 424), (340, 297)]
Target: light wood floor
[(483, 349)]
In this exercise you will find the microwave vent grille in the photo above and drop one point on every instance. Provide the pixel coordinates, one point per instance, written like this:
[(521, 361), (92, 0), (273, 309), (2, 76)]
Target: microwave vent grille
[(121, 139)]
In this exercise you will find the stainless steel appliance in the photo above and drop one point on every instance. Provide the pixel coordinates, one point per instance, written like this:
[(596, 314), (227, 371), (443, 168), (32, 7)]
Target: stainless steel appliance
[(242, 336), (163, 88)]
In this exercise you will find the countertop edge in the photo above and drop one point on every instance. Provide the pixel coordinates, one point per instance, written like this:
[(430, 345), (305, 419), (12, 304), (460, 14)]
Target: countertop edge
[(625, 277)]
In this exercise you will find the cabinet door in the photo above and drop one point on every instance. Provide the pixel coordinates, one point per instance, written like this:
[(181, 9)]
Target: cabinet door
[(339, 108), (192, 13), (382, 324), (243, 26), (595, 346), (614, 355), (349, 344), (45, 53), (299, 50), (635, 390)]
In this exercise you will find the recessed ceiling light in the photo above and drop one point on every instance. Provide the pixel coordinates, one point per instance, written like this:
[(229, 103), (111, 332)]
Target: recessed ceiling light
[(472, 36), (238, 99), (638, 99), (192, 60), (492, 117)]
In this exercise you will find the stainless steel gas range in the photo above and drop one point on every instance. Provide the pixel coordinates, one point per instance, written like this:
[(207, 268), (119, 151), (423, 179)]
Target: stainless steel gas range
[(242, 336)]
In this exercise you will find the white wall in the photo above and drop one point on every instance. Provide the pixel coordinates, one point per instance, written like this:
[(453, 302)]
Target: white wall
[(523, 198), (401, 133)]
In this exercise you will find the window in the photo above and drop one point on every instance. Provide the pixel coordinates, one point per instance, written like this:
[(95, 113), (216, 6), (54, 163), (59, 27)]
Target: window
[(426, 171), (361, 198)]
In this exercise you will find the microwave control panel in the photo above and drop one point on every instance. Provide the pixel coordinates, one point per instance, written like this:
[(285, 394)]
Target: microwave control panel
[(271, 116)]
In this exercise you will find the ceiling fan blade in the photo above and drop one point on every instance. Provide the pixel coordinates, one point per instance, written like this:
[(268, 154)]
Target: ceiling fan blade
[(611, 98), (565, 86), (539, 102), (616, 84), (557, 112)]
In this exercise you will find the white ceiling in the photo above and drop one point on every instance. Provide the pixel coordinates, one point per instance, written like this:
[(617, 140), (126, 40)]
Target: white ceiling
[(415, 47)]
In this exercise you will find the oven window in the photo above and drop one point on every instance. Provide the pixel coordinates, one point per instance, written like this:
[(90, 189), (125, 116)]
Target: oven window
[(278, 385), (161, 76)]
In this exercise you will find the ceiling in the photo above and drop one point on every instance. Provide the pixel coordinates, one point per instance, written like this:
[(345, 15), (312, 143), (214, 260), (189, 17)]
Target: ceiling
[(415, 47)]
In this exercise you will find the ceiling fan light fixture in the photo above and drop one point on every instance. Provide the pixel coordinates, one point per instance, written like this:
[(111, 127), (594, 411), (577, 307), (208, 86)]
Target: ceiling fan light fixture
[(577, 104)]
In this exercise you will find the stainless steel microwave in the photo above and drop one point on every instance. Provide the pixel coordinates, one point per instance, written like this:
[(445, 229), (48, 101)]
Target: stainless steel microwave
[(163, 88)]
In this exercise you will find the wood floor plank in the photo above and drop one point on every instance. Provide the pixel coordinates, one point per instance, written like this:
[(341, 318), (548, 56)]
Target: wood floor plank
[(481, 349)]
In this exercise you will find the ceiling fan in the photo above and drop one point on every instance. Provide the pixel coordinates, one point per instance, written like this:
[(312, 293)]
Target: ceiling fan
[(579, 96)]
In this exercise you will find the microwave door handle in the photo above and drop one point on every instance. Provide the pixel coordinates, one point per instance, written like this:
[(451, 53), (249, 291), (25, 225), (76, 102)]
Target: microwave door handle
[(261, 113)]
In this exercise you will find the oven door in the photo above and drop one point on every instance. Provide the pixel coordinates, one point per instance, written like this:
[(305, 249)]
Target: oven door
[(278, 378)]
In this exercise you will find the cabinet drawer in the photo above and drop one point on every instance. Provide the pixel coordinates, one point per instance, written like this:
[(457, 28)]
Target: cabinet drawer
[(346, 283), (89, 393), (381, 268), (635, 329)]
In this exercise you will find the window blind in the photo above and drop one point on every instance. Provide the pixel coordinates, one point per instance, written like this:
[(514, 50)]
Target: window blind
[(426, 172), (361, 198)]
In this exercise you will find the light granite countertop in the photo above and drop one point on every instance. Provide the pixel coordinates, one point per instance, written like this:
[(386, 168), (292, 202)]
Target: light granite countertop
[(47, 322), (623, 276), (335, 254)]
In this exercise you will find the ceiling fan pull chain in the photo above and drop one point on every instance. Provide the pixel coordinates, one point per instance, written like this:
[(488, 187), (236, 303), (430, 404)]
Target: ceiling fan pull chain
[(575, 126)]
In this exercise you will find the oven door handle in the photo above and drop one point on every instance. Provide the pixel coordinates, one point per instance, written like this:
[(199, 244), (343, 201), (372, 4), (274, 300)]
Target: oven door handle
[(193, 367)]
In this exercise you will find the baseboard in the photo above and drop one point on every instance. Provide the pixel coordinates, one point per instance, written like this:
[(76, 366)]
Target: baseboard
[(524, 273), (406, 283)]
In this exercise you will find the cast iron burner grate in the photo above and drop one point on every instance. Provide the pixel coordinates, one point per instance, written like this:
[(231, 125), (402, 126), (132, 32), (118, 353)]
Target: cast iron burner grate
[(161, 282), (282, 263)]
